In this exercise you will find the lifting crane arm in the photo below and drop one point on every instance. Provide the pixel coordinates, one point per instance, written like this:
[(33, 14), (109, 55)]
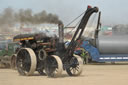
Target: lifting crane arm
[(80, 29)]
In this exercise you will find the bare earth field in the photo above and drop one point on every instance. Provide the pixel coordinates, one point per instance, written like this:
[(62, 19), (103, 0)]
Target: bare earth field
[(92, 75)]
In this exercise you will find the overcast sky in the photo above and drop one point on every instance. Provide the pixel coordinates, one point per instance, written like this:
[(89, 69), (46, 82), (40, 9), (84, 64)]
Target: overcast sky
[(113, 11)]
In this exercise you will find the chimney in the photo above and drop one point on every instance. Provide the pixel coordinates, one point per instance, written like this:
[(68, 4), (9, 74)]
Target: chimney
[(61, 32), (60, 45)]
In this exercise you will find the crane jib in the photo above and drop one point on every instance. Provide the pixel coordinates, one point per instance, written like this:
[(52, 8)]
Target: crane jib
[(82, 26)]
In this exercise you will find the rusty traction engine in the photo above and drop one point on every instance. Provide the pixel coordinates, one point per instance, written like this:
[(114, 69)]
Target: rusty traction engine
[(47, 55)]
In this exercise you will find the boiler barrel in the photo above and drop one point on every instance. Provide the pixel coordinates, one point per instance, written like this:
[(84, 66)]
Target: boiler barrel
[(112, 44)]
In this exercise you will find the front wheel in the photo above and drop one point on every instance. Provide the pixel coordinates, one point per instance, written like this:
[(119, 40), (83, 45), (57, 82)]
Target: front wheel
[(53, 66), (75, 66)]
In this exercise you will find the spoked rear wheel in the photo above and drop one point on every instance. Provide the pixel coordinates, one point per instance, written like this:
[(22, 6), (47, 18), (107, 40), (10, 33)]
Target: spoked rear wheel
[(53, 66), (76, 65), (26, 61)]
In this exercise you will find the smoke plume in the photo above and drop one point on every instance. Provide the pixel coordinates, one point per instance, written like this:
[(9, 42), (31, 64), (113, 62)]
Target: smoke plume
[(10, 17)]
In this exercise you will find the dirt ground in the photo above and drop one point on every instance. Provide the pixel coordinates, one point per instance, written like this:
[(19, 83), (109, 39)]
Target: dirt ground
[(92, 75)]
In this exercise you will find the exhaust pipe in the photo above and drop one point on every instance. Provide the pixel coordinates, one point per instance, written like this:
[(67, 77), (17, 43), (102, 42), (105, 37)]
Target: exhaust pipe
[(60, 45), (61, 32)]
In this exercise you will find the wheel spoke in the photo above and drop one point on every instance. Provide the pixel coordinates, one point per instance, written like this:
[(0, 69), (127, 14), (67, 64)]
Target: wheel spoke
[(74, 70), (56, 70), (77, 69), (71, 68)]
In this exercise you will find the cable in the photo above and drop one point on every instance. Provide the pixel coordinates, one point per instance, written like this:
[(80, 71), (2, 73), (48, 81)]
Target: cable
[(74, 28), (74, 20)]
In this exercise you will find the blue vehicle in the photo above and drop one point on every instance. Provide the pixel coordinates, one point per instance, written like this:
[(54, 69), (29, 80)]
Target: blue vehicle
[(107, 48), (98, 57)]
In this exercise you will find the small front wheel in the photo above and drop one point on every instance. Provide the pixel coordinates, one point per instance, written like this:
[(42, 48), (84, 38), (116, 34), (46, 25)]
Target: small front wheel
[(75, 66)]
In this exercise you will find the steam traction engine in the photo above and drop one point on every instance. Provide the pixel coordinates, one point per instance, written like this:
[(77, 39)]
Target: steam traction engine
[(47, 55)]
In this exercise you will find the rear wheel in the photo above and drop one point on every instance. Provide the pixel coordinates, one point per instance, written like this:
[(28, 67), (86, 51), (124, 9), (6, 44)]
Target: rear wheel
[(53, 66), (76, 65), (26, 61)]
